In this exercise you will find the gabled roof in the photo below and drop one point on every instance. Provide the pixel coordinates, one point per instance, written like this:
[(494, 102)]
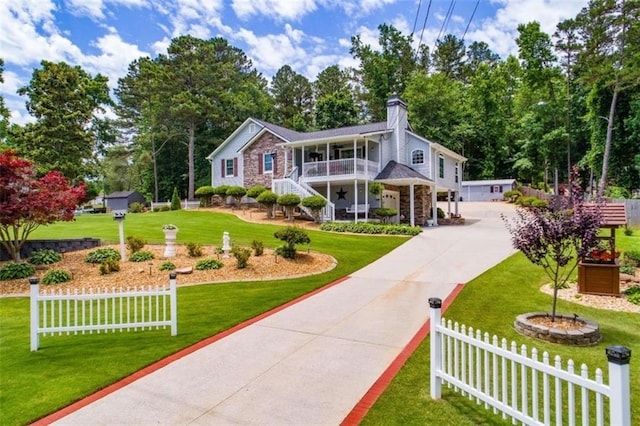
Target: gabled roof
[(395, 173), (289, 135), (121, 194), (612, 215)]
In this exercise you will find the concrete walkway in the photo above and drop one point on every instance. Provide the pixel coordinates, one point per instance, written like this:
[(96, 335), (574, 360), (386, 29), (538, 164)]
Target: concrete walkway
[(311, 363)]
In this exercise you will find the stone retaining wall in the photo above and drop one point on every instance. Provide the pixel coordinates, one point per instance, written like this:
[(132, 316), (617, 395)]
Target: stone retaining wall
[(587, 335), (61, 246)]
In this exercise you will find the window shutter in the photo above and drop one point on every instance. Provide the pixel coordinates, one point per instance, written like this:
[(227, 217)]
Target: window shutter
[(275, 164), (260, 163), (222, 168), (491, 188), (501, 188), (235, 166)]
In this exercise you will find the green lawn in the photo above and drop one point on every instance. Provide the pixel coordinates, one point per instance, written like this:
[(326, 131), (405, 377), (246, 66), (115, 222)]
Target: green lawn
[(66, 368), (490, 303)]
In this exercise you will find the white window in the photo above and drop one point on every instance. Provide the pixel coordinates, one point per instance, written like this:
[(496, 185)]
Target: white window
[(417, 156), (267, 163), (441, 166)]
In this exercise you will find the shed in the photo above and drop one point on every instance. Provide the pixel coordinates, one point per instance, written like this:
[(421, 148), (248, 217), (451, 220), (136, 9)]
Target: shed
[(121, 200), (486, 190)]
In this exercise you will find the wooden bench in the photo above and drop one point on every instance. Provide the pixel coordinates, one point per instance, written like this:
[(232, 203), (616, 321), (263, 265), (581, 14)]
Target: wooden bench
[(358, 208)]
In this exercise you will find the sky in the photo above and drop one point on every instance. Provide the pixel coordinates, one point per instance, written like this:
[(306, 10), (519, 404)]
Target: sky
[(105, 36)]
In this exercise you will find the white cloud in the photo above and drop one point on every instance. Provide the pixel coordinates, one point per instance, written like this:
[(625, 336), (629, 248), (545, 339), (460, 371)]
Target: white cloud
[(500, 31), (272, 51), (90, 8), (368, 6), (279, 10)]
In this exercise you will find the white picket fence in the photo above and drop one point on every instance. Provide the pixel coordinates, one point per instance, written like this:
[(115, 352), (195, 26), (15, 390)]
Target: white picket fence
[(185, 204), (520, 386), (88, 311)]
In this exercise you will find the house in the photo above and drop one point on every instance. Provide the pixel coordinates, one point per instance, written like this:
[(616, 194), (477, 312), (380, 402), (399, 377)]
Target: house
[(121, 200), (340, 165), (486, 190)]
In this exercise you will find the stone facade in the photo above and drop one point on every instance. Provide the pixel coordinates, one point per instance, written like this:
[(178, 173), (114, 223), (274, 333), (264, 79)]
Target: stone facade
[(252, 159), (422, 203)]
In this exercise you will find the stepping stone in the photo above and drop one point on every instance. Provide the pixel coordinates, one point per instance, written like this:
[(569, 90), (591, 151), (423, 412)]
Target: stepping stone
[(183, 271)]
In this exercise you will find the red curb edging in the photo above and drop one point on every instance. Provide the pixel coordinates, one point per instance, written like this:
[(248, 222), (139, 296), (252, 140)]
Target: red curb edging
[(173, 357), (366, 402)]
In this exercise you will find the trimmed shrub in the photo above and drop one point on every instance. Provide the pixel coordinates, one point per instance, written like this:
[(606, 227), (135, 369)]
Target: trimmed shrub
[(371, 228), (136, 207), (385, 213), (258, 247), (194, 249), (440, 213), (254, 191), (242, 255), (203, 264), (291, 235), (167, 266), (237, 192), (15, 270), (135, 244), (175, 200), (221, 193), (289, 202), (56, 276), (161, 209), (44, 257), (141, 256), (268, 199), (102, 254), (512, 196), (205, 193), (108, 266), (316, 203)]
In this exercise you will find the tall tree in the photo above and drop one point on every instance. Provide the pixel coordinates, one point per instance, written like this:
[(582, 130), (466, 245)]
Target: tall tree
[(27, 202), (384, 72), (610, 31), (335, 101), (448, 56), (65, 101), (293, 98), (5, 114)]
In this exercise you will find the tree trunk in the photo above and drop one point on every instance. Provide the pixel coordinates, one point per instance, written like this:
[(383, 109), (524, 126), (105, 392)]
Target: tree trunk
[(607, 146), (191, 190)]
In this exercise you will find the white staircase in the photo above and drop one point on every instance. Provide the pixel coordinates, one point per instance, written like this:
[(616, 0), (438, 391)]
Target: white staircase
[(290, 186)]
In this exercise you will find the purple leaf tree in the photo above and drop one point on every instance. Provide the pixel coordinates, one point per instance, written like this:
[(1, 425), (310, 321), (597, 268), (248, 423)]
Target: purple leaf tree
[(556, 236)]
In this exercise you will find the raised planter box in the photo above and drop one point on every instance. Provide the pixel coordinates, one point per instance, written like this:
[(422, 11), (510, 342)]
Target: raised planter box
[(599, 278)]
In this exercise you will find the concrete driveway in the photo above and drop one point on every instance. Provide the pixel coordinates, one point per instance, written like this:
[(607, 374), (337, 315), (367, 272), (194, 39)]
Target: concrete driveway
[(312, 362)]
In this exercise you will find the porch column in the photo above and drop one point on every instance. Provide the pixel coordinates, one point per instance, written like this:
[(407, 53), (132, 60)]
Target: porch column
[(286, 162), (366, 198), (449, 202), (355, 197), (301, 172), (457, 196), (412, 214), (327, 164), (434, 205)]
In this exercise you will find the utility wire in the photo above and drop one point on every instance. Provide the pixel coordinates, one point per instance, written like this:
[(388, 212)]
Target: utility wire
[(446, 20), (425, 23), (416, 20), (470, 19)]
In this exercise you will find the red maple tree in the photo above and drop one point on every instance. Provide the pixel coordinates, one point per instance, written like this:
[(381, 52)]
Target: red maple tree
[(27, 202)]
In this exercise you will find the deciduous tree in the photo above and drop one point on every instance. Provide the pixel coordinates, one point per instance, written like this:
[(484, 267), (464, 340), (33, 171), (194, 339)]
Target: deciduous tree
[(27, 202)]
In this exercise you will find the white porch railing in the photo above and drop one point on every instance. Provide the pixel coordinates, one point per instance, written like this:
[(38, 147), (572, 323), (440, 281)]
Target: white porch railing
[(521, 387), (288, 186), (57, 312), (348, 167)]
